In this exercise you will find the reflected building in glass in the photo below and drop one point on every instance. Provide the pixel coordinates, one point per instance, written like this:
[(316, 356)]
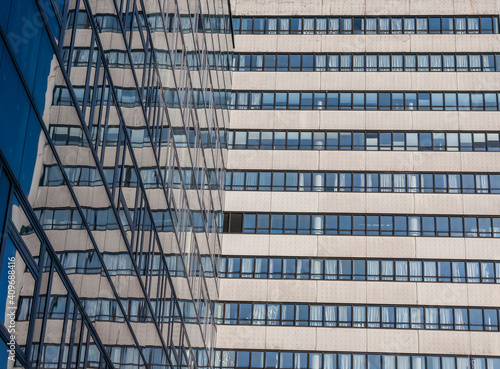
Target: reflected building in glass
[(112, 120)]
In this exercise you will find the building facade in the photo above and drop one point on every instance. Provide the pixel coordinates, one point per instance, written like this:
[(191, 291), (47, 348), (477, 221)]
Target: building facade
[(361, 206), (112, 115)]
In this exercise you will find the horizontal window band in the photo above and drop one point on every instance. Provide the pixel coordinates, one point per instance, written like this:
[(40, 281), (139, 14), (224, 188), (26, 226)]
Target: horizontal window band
[(338, 100), (362, 225), (357, 316), (347, 25), (300, 359), (382, 62), (363, 140), (362, 182), (276, 267)]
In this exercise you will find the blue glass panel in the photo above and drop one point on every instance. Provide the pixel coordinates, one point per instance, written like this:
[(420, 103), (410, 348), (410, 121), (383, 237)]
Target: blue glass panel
[(14, 113)]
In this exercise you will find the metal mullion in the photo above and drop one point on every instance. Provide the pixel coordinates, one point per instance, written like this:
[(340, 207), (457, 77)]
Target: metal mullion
[(45, 312), (63, 334)]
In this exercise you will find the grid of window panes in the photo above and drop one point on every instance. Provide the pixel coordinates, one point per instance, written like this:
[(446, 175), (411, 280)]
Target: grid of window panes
[(101, 219), (165, 60), (366, 62), (345, 360), (412, 270), (366, 25), (458, 271), (186, 23), (357, 316), (479, 183), (363, 140), (437, 101), (364, 224)]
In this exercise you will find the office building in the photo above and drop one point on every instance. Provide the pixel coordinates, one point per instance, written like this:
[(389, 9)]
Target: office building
[(111, 115), (361, 206)]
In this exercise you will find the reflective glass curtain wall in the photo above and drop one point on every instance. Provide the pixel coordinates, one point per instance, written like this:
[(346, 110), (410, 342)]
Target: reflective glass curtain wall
[(48, 43)]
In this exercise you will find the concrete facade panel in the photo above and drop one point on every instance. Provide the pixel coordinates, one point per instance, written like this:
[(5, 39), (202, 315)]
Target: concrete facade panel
[(446, 294), (342, 339), (241, 337), (437, 342), (440, 248), (250, 244), (243, 289), (248, 201), (286, 245), (393, 341), (342, 246), (291, 338)]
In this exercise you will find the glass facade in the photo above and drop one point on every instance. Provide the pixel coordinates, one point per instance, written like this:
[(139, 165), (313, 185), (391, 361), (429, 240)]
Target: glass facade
[(99, 68)]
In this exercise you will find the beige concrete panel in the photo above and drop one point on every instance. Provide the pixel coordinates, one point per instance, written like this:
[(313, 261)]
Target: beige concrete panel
[(342, 339), (297, 245), (331, 120), (485, 344), (343, 43), (241, 337), (355, 7), (248, 244), (243, 289), (389, 161), (255, 119), (258, 7), (480, 161), (433, 43), (437, 342), (342, 160), (482, 248), (437, 161), (291, 159), (388, 43), (429, 7), (292, 119), (301, 8), (248, 201), (446, 294), (481, 204), (483, 294), (478, 121), (440, 248), (254, 81), (431, 81), (431, 203), (476, 7), (342, 202), (385, 340), (249, 159), (429, 120), (299, 43), (391, 203), (342, 81), (391, 293), (291, 338), (342, 246), (261, 44), (302, 202), (385, 7), (389, 81), (478, 43), (297, 81), (390, 247), (352, 292), (291, 290), (389, 120), (477, 81)]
